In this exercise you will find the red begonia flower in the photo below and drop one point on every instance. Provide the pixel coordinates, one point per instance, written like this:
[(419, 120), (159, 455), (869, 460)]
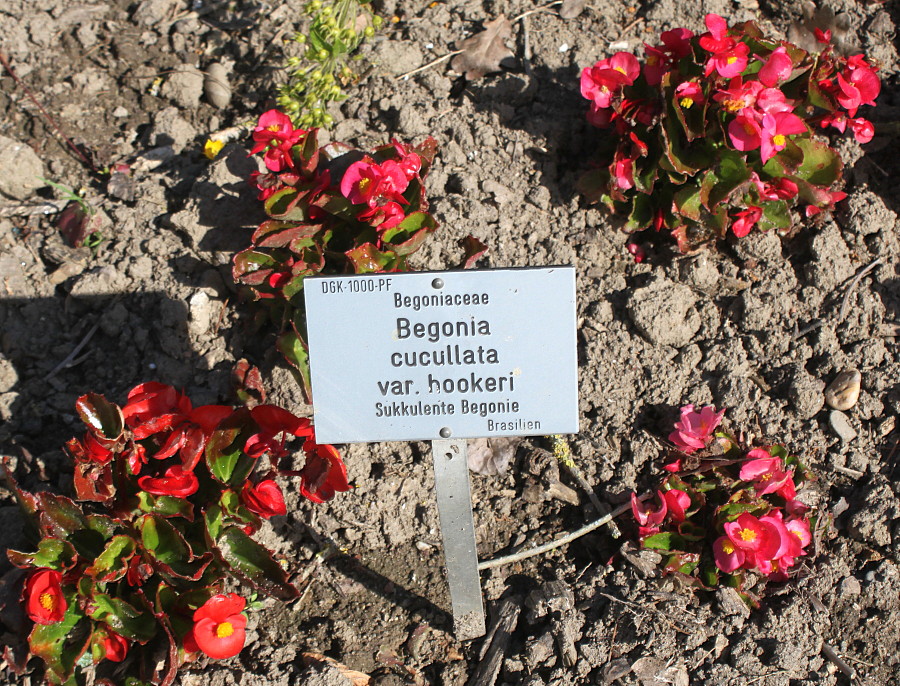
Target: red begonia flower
[(601, 84), (745, 220), (729, 56), (863, 131), (43, 597), (689, 94), (323, 474), (115, 646), (219, 626), (856, 87), (745, 132), (175, 482), (264, 499), (764, 471), (275, 134), (273, 421), (775, 130)]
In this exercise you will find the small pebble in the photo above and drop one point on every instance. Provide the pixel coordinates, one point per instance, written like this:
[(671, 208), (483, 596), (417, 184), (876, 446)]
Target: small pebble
[(216, 86), (849, 586), (843, 392), (841, 426)]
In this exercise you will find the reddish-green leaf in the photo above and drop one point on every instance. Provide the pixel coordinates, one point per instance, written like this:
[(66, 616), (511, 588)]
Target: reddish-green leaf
[(172, 554), (252, 562), (102, 417), (295, 352), (52, 553), (368, 259), (60, 645), (821, 164), (165, 505), (112, 563), (225, 455), (59, 516), (122, 617)]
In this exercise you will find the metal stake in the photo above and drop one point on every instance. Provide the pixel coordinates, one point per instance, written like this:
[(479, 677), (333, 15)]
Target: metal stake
[(451, 481)]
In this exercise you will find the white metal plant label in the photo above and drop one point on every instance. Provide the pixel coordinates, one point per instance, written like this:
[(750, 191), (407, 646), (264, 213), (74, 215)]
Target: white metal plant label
[(429, 355)]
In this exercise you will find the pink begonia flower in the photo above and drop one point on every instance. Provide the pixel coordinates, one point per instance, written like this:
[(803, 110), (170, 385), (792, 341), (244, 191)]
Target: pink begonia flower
[(643, 513), (745, 220), (368, 183), (836, 196), (601, 84), (623, 62), (822, 36), (623, 172), (777, 68), (788, 544), (727, 555), (275, 134), (410, 162), (863, 130), (738, 95), (677, 502), (775, 130), (637, 252), (782, 189), (745, 132), (753, 536), (385, 216), (694, 430), (729, 56), (772, 101), (689, 94), (764, 471), (857, 87)]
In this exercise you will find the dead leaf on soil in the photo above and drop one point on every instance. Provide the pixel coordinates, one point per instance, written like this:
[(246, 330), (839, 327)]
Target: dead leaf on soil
[(571, 8), (486, 51), (491, 456), (355, 678), (651, 671)]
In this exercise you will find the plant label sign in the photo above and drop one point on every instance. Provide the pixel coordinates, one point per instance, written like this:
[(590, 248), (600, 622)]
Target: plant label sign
[(445, 356), (439, 355)]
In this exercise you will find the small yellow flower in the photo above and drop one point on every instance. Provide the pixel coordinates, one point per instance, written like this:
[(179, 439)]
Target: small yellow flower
[(212, 148)]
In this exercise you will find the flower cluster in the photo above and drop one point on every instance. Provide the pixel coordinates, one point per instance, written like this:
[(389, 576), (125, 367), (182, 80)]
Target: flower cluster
[(715, 132), (337, 29), (168, 496), (725, 514), (332, 210)]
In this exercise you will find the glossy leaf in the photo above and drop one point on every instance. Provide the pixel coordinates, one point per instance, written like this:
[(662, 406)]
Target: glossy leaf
[(122, 617), (295, 352), (165, 505), (102, 417), (59, 516), (170, 551), (112, 563), (60, 645), (52, 553), (224, 452), (821, 164), (368, 259), (252, 562)]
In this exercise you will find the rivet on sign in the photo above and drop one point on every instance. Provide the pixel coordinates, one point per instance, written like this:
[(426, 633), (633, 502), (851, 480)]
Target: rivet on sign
[(438, 283), (445, 432)]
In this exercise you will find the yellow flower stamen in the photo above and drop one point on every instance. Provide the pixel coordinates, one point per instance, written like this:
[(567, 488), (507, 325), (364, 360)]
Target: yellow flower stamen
[(47, 601), (224, 630), (747, 535), (727, 547), (731, 60), (686, 103), (779, 139), (733, 105)]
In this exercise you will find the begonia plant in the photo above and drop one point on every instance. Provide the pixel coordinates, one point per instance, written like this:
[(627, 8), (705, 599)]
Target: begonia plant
[(726, 511), (155, 555), (717, 131), (332, 210)]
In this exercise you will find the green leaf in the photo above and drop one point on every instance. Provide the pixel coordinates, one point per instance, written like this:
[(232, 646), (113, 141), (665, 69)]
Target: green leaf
[(112, 563), (52, 553), (225, 455), (641, 213), (367, 259), (731, 173), (214, 519), (295, 352), (776, 215), (62, 644), (410, 227), (60, 517), (821, 164), (665, 540), (172, 554), (785, 162), (102, 417), (122, 617), (285, 205), (252, 562), (165, 505), (687, 201)]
